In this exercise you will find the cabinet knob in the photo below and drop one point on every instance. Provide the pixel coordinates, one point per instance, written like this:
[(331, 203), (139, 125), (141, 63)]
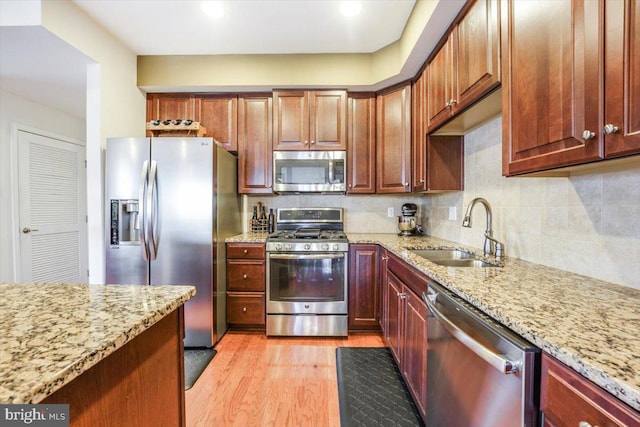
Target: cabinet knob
[(406, 184), (587, 134), (306, 142), (312, 142), (245, 251), (244, 309), (349, 185), (585, 424), (452, 102), (447, 104), (609, 128), (244, 276)]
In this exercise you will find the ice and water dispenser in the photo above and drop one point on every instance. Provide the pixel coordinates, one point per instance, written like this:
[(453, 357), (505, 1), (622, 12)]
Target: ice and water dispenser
[(125, 222)]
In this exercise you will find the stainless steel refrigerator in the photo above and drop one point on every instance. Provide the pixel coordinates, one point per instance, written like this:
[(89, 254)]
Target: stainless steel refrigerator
[(169, 205)]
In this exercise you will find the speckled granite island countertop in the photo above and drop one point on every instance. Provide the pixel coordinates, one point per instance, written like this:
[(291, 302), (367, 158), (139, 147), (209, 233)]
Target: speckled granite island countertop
[(51, 334), (591, 325)]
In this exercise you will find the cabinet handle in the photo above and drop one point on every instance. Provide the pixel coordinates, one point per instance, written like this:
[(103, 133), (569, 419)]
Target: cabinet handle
[(384, 258), (244, 276), (447, 104), (244, 309), (28, 230), (587, 134), (452, 102), (245, 251), (609, 129)]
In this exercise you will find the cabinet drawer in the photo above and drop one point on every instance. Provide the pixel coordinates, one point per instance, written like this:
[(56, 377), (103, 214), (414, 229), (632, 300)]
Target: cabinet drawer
[(246, 275), (246, 250), (246, 308), (567, 399)]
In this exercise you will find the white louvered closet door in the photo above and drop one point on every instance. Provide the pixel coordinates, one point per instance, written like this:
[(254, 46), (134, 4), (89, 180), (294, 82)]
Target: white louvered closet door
[(53, 228)]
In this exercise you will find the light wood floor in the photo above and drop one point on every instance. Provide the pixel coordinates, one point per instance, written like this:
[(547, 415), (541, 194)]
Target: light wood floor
[(258, 381)]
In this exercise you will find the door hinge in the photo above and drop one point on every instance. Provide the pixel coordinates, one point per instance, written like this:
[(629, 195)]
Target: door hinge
[(85, 164), (86, 218), (87, 273)]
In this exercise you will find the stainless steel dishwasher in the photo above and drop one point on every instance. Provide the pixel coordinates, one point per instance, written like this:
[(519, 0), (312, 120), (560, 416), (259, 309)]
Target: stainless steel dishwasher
[(479, 373)]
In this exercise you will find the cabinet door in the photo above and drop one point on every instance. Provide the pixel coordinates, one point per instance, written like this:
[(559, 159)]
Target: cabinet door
[(419, 137), (394, 316), (361, 152), (478, 54), (622, 84), (393, 141), (219, 115), (166, 106), (414, 364), (328, 120), (363, 287), (291, 120), (551, 84), (254, 144), (440, 84)]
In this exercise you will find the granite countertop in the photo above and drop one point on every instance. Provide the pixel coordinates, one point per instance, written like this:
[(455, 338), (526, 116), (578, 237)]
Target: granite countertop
[(591, 325), (50, 334)]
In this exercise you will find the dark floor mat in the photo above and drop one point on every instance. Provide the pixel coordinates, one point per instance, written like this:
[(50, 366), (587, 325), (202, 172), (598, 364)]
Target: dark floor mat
[(195, 361), (371, 390)]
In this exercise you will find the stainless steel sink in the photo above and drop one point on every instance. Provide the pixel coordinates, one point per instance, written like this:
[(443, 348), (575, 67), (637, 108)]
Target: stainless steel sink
[(452, 258), (444, 254), (463, 263)]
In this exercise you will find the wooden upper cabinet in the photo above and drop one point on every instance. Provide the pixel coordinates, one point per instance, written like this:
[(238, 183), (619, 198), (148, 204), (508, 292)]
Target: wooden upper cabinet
[(551, 84), (622, 84), (219, 115), (168, 106), (393, 141), (419, 135), (467, 66), (361, 138), (310, 120), (255, 167), (445, 163)]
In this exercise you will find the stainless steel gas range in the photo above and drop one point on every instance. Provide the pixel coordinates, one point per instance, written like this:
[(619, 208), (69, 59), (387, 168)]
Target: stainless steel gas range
[(307, 260)]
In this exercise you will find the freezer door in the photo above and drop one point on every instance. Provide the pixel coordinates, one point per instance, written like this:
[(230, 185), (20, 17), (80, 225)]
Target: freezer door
[(125, 159), (181, 223)]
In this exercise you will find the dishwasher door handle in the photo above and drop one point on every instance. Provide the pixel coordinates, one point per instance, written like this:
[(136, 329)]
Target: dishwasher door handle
[(499, 362)]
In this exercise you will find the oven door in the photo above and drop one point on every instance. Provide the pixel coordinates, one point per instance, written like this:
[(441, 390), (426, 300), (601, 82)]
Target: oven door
[(307, 283)]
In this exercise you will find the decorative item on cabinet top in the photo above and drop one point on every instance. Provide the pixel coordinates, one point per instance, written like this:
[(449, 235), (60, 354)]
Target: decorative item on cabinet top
[(176, 127)]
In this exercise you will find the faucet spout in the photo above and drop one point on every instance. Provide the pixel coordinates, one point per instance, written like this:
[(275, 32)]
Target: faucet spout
[(490, 243)]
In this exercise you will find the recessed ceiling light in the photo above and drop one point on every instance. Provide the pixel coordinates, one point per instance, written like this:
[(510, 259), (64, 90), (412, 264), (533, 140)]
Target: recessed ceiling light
[(213, 9), (350, 8)]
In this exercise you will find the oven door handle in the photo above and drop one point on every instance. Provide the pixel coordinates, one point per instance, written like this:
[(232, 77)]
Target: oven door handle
[(499, 362), (307, 256)]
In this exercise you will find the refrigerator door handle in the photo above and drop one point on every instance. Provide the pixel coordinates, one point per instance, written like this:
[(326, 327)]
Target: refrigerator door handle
[(142, 216), (152, 198)]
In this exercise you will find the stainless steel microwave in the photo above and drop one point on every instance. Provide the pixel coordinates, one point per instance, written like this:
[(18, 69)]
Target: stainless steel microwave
[(309, 171)]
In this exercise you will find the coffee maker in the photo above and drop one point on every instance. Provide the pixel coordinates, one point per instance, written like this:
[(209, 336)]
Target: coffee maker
[(407, 221)]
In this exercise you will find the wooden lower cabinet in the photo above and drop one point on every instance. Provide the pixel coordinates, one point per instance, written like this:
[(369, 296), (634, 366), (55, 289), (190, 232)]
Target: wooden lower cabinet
[(568, 399), (140, 384), (405, 325), (364, 292), (246, 281)]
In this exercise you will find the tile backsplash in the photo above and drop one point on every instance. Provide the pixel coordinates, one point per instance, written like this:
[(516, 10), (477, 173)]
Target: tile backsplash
[(362, 214), (587, 223)]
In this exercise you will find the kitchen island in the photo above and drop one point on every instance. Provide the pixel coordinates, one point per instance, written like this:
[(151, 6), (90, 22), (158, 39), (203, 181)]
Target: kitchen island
[(588, 324), (113, 353)]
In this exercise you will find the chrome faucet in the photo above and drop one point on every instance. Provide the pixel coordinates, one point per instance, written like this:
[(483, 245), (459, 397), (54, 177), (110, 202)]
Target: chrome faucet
[(491, 245)]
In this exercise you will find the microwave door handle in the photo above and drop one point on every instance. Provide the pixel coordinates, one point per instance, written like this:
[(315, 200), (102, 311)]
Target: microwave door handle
[(499, 362), (331, 172)]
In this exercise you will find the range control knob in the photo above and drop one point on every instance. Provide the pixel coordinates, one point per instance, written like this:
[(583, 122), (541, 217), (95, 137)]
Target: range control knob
[(335, 246), (325, 246), (307, 246), (287, 247), (278, 246)]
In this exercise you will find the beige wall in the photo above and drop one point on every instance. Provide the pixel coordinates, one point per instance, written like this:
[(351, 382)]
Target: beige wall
[(586, 223), (115, 105)]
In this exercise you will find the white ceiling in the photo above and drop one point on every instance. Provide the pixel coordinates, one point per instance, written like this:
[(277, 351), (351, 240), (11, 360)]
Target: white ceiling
[(250, 26), (38, 65)]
